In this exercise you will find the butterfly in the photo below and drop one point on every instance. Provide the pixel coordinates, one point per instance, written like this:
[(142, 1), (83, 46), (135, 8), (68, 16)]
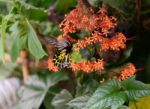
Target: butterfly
[(63, 47)]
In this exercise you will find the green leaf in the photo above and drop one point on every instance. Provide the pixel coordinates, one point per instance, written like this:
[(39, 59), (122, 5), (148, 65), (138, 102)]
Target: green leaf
[(87, 88), (18, 44), (115, 3), (107, 95), (79, 102), (34, 44), (61, 99), (6, 70), (19, 39), (76, 56), (36, 88), (41, 3), (7, 1), (32, 12), (127, 53), (35, 14), (123, 107), (135, 89), (49, 96), (63, 6)]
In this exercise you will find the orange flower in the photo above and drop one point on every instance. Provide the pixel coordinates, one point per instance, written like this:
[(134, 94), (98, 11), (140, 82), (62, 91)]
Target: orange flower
[(51, 65), (81, 18), (88, 66), (128, 71), (87, 41), (106, 24), (115, 43), (99, 65), (118, 41)]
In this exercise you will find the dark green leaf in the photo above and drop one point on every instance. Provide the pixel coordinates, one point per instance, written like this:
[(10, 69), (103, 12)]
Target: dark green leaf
[(41, 3), (63, 6), (127, 52), (79, 102), (34, 44), (115, 3), (50, 95), (61, 99), (36, 87), (107, 95), (87, 88), (32, 12), (135, 89)]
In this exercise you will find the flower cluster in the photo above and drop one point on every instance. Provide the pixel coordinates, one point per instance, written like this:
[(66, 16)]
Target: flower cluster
[(88, 66), (87, 19), (82, 18), (101, 30), (51, 65), (87, 41), (98, 23), (127, 71), (115, 43)]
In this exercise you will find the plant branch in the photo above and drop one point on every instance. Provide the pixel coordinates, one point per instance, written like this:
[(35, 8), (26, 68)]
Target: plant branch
[(25, 64)]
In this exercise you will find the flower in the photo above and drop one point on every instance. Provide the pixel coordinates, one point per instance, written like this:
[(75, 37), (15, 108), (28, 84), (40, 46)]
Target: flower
[(115, 43), (81, 18), (88, 66), (51, 65), (99, 65), (127, 71), (87, 41)]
